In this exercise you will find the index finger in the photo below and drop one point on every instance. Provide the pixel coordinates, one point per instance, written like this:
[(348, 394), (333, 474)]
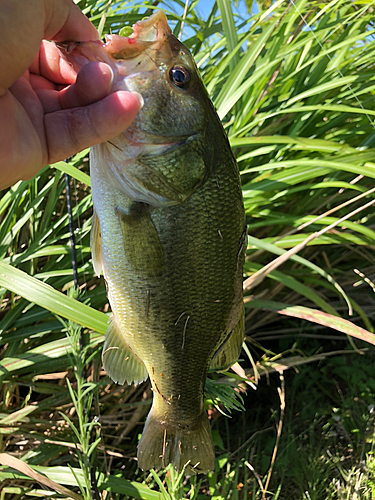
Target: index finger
[(51, 65), (25, 24)]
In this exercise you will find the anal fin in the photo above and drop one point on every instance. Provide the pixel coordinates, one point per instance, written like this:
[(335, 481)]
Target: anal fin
[(119, 361), (96, 245), (229, 351)]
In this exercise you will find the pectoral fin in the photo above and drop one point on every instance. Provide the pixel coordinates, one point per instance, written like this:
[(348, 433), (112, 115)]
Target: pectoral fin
[(119, 361), (228, 353), (143, 248), (96, 245)]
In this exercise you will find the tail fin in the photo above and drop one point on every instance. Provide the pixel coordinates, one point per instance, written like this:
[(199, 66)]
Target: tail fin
[(163, 443)]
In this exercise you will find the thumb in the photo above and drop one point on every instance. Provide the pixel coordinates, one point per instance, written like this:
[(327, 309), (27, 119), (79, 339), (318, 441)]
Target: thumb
[(72, 130)]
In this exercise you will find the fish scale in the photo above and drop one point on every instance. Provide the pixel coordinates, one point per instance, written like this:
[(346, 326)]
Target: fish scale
[(169, 234), (194, 298)]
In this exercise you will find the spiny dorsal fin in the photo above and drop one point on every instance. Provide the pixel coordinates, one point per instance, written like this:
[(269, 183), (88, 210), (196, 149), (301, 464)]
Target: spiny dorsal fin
[(228, 353), (96, 245), (119, 361)]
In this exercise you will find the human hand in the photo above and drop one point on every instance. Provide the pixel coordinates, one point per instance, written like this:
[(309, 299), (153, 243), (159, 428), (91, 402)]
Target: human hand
[(47, 113)]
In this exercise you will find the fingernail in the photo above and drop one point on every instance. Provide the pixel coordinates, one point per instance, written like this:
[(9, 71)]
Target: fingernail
[(111, 80), (140, 99)]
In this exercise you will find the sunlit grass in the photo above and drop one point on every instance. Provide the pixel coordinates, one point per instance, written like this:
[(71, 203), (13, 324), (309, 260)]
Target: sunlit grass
[(297, 101)]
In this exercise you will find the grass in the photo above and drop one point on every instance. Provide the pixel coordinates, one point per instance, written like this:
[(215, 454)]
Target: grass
[(294, 86)]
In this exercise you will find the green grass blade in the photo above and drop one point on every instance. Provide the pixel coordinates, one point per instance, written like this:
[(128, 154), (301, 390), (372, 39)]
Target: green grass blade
[(277, 251), (45, 296), (64, 475), (44, 357), (229, 27), (73, 171)]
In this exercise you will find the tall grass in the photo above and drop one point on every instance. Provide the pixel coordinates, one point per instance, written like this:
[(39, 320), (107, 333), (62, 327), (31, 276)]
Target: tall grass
[(294, 85)]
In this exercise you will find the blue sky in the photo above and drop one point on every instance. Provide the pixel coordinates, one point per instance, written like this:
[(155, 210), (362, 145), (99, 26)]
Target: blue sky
[(204, 8)]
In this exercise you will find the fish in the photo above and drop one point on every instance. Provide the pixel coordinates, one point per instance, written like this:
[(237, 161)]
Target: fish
[(169, 235)]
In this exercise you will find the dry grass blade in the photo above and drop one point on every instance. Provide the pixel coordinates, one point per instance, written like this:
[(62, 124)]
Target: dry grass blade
[(183, 19), (315, 316), (15, 463), (281, 391), (259, 276), (284, 364), (333, 210), (250, 467), (305, 148)]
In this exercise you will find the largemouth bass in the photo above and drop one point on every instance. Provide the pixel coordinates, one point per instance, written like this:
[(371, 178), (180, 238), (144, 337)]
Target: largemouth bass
[(169, 235)]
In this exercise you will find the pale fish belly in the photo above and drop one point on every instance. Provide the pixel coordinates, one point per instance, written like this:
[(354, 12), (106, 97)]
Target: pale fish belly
[(138, 301), (116, 270)]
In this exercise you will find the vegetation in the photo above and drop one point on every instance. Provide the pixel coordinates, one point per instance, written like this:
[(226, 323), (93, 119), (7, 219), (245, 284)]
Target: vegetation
[(294, 84)]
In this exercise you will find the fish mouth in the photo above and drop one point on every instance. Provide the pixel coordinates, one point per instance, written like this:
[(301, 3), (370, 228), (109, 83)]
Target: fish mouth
[(149, 33), (153, 28)]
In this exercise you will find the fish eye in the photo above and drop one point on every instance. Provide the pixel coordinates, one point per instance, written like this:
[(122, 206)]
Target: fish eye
[(180, 77)]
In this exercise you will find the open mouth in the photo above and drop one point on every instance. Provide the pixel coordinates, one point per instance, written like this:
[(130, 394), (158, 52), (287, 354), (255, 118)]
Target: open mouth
[(148, 33)]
